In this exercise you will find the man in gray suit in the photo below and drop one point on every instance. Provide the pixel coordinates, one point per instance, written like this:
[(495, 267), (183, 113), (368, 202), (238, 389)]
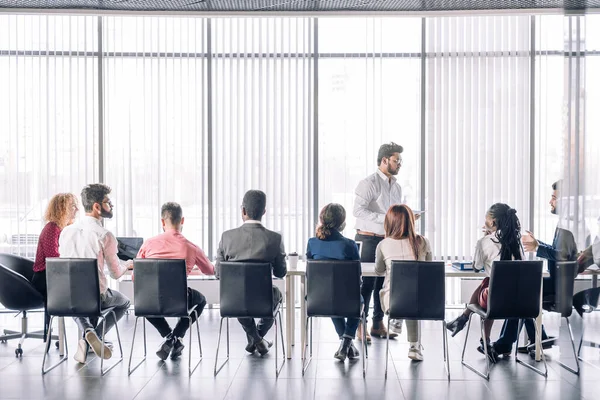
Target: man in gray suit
[(253, 242)]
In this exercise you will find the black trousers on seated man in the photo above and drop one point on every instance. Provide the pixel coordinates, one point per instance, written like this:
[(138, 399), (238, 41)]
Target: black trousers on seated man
[(195, 298), (258, 332)]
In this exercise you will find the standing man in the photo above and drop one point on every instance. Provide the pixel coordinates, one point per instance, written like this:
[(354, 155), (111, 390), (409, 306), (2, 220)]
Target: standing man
[(173, 245), (87, 238), (374, 196), (253, 242)]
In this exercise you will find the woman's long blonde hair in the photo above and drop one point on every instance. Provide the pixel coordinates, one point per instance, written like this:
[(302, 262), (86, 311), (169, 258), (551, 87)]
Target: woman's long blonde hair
[(59, 209)]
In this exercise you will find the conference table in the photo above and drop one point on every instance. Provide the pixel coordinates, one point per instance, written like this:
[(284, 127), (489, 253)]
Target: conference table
[(368, 269)]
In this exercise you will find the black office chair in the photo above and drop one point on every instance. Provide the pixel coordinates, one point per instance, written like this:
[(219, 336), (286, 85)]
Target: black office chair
[(74, 291), (246, 291), (333, 290), (18, 294), (562, 302), (586, 302), (160, 290), (514, 292), (418, 292)]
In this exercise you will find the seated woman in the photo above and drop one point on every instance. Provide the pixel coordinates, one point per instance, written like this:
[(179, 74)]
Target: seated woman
[(401, 243), (501, 241), (62, 210), (329, 244)]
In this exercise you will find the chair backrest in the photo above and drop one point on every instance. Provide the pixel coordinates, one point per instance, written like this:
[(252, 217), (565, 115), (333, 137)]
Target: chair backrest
[(20, 265), (246, 290), (160, 288), (418, 290), (564, 281), (73, 287), (16, 292), (514, 290), (333, 288)]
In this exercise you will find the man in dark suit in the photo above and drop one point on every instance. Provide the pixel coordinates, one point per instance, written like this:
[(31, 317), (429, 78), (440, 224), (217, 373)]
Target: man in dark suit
[(253, 242)]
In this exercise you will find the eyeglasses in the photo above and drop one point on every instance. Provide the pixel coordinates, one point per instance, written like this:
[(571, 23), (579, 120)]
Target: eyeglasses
[(110, 204), (398, 161)]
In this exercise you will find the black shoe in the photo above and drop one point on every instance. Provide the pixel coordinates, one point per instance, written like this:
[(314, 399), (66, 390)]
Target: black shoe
[(491, 354), (531, 346), (342, 352), (177, 349), (165, 347), (250, 347), (353, 352), (263, 347), (457, 325)]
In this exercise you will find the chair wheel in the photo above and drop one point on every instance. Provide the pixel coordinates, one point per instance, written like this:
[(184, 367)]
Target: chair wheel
[(18, 352), (2, 341)]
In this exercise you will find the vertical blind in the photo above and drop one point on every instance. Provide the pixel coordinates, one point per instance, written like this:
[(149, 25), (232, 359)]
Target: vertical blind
[(478, 77)]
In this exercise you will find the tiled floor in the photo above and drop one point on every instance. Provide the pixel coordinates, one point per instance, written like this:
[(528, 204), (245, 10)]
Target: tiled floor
[(253, 377)]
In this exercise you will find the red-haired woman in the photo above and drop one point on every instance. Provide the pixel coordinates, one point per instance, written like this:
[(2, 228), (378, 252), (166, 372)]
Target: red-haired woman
[(401, 243)]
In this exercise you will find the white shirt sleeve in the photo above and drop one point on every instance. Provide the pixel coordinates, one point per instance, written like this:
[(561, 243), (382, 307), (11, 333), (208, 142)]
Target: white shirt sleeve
[(365, 193), (116, 267), (596, 252), (380, 267)]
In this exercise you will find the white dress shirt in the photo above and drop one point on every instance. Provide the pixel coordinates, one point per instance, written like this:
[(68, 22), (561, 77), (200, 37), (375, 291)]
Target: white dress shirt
[(87, 238), (487, 250), (374, 196)]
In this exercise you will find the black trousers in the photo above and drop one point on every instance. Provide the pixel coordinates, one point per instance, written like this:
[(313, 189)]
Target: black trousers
[(39, 283), (371, 286), (195, 298), (256, 333)]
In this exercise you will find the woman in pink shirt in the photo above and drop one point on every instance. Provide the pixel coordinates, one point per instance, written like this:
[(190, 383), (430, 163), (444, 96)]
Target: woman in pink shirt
[(62, 210)]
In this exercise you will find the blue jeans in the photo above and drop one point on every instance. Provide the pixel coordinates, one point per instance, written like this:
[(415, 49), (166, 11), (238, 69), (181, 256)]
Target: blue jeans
[(346, 327), (510, 332)]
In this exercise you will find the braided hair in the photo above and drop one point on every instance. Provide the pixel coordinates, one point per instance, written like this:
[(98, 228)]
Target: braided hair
[(508, 231), (332, 218)]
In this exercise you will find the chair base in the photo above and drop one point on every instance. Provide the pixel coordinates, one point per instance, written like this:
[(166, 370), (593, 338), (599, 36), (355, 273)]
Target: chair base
[(22, 335), (586, 343), (190, 369)]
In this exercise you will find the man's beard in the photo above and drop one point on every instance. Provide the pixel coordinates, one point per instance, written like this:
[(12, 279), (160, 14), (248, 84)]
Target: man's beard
[(106, 214), (392, 171)]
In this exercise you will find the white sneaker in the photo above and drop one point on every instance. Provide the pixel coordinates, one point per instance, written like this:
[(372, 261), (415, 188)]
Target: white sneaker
[(82, 350), (96, 345), (396, 326), (414, 352)]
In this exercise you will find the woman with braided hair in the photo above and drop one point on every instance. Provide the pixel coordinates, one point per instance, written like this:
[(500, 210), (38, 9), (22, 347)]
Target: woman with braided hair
[(501, 241), (329, 244)]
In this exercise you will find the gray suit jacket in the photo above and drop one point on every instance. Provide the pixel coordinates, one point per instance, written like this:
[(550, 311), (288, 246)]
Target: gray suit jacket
[(252, 242)]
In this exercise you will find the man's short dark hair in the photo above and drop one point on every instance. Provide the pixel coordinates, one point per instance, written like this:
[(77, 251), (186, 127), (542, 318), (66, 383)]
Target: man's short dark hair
[(92, 194), (557, 185), (171, 211), (255, 202), (387, 150)]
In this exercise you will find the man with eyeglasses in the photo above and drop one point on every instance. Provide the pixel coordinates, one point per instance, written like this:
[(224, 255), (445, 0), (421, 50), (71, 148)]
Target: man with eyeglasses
[(87, 238), (374, 196)]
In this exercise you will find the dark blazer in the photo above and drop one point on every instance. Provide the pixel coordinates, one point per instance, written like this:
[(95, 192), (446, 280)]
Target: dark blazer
[(335, 247), (252, 242), (563, 248)]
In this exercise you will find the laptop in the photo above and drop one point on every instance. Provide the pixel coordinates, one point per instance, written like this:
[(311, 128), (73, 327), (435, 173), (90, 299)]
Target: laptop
[(128, 247)]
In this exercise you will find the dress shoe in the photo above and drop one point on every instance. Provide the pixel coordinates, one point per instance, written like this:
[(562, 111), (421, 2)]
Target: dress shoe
[(353, 352), (165, 347), (378, 330), (457, 325), (342, 351), (531, 346), (359, 334), (177, 349)]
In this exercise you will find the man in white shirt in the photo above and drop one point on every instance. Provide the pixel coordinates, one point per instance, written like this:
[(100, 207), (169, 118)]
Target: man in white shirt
[(89, 239), (374, 196)]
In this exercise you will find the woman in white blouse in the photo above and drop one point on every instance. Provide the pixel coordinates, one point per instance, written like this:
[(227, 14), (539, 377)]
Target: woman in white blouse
[(401, 243)]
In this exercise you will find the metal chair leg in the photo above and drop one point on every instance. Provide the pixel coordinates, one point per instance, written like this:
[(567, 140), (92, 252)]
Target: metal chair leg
[(387, 349), (576, 372), (129, 370), (588, 343), (216, 371), (102, 370), (365, 354), (62, 359), (305, 346), (191, 371), (484, 376), (278, 369), (531, 367), (446, 355)]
